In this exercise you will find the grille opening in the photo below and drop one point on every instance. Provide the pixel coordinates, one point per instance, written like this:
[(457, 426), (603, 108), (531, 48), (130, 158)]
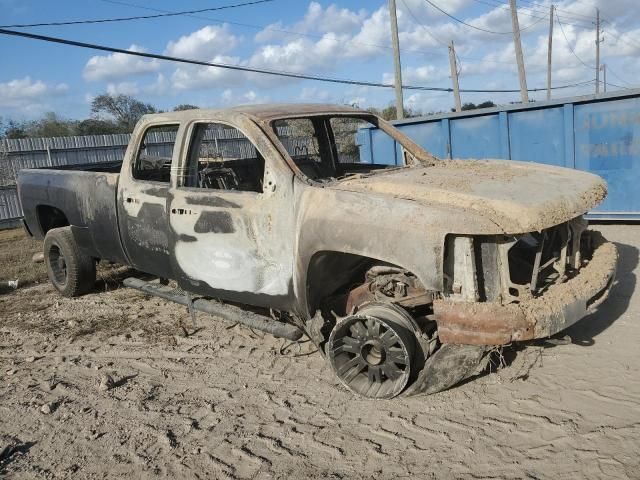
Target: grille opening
[(535, 260)]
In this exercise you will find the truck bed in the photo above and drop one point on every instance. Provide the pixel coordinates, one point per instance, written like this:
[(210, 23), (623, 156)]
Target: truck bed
[(82, 196), (103, 167)]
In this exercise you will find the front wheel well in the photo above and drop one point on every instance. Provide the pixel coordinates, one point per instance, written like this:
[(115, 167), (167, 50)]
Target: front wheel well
[(333, 275), (50, 217)]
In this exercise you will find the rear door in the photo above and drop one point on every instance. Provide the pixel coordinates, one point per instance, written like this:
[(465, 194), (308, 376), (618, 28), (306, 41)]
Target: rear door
[(231, 216), (143, 199)]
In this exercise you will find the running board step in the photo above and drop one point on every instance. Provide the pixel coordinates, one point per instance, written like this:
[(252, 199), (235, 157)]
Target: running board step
[(222, 310)]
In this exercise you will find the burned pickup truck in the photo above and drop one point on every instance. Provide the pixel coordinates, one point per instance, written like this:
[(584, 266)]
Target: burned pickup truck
[(405, 277)]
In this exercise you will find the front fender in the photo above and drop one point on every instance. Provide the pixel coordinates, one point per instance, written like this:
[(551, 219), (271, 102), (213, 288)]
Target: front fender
[(398, 231)]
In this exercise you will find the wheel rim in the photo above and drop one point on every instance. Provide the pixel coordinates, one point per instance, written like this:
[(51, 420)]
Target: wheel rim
[(58, 265), (371, 356)]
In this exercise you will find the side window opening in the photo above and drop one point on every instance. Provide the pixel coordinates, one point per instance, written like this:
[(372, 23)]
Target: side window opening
[(153, 160), (305, 139), (345, 138), (221, 157)]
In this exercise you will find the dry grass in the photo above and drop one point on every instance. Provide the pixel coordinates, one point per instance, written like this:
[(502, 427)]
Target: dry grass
[(16, 250)]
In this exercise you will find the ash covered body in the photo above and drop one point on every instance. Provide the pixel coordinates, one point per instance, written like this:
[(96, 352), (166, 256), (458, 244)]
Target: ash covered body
[(404, 277)]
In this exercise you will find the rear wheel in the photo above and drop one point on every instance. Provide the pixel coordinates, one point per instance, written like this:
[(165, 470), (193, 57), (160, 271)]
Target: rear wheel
[(373, 352), (70, 271)]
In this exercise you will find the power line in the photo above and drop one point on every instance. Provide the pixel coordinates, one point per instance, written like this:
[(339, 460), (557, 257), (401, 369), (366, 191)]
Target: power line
[(523, 11), (463, 22), (264, 27), (569, 44), (426, 30), (420, 24), (300, 34), (567, 13), (533, 23), (139, 17), (610, 71), (619, 86), (279, 73)]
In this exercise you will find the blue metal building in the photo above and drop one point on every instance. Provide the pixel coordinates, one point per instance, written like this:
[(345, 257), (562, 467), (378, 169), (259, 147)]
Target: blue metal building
[(599, 134)]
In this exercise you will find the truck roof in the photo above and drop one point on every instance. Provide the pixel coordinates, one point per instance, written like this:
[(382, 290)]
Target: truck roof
[(265, 111)]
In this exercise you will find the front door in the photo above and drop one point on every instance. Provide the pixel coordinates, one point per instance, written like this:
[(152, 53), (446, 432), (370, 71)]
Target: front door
[(231, 219), (143, 201)]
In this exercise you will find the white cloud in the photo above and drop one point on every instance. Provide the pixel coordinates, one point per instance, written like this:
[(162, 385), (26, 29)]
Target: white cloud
[(331, 19), (332, 39), (425, 102), (422, 10), (314, 94), (317, 19), (272, 32), (426, 74), (374, 33), (203, 44), (300, 55), (159, 87), (193, 77), (118, 65), (123, 88), (229, 97), (26, 93)]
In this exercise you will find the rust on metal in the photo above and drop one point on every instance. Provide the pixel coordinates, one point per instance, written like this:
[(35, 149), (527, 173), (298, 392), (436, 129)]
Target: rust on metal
[(492, 323)]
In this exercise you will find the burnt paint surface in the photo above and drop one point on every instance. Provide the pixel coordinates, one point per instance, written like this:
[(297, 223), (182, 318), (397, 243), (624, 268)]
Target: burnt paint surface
[(281, 231), (214, 222), (88, 200), (144, 230), (211, 201)]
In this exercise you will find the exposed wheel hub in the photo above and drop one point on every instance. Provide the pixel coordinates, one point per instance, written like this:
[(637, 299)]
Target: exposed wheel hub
[(372, 352)]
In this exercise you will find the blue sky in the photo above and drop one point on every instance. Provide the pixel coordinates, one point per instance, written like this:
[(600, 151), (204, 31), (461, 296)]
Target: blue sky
[(341, 38)]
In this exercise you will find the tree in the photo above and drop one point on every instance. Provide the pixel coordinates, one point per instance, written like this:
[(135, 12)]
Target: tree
[(389, 112), (51, 126), (124, 109), (14, 129), (487, 104), (95, 126), (472, 106), (185, 106)]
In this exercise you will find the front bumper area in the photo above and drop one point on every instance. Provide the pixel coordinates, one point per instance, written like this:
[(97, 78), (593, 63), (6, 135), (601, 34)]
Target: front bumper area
[(562, 305)]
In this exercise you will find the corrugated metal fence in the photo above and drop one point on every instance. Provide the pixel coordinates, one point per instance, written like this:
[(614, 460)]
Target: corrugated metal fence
[(16, 154)]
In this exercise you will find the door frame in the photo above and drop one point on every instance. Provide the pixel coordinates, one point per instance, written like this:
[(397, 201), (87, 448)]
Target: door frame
[(263, 230), (142, 206)]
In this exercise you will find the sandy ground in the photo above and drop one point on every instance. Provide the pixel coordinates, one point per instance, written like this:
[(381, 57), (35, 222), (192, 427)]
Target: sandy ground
[(221, 401)]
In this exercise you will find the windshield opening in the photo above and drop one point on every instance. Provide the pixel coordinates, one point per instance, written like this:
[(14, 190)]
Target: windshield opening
[(331, 147)]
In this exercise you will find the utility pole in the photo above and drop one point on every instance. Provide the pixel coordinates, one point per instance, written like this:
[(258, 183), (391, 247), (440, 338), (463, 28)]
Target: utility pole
[(603, 67), (454, 76), (597, 50), (549, 49), (524, 94), (396, 59)]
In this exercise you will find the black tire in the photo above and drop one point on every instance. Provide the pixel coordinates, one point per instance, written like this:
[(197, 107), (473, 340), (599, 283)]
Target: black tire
[(72, 272)]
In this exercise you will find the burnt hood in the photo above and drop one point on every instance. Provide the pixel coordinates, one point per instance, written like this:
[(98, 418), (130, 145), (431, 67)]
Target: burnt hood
[(516, 196)]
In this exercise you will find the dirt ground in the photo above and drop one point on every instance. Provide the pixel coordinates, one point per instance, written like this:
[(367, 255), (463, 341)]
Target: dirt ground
[(220, 401)]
